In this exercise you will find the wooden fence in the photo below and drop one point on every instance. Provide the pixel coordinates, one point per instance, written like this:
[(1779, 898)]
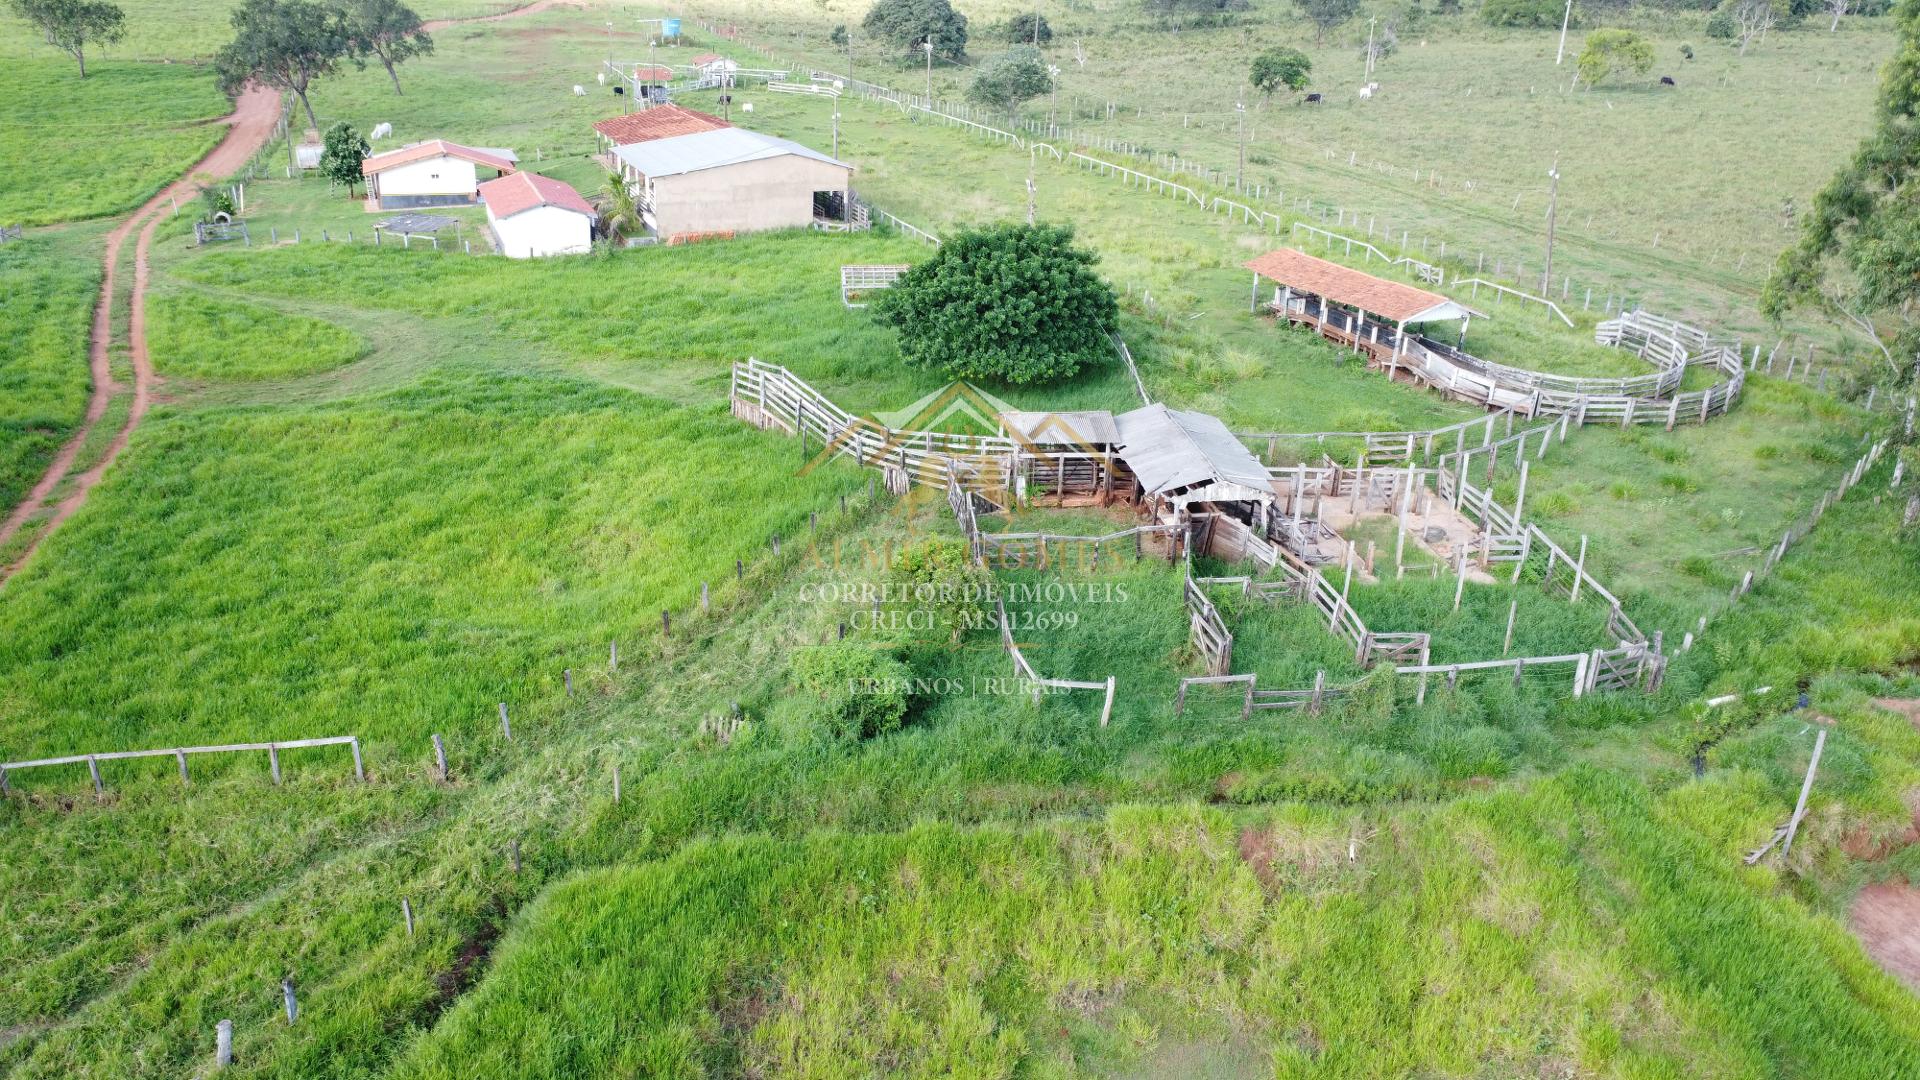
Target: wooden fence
[(179, 754)]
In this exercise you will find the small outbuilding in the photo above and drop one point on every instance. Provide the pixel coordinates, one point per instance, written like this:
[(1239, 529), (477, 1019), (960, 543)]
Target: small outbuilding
[(432, 173), (1351, 307), (1185, 457), (730, 180), (534, 216)]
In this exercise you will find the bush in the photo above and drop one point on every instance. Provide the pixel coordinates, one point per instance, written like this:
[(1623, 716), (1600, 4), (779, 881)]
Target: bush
[(851, 690), (938, 578), (1608, 51), (1280, 68), (1525, 13), (1014, 303), (1021, 28), (1721, 25)]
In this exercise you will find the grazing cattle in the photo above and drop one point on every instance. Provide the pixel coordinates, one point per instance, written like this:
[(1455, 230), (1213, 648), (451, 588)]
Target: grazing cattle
[(579, 91), (1313, 99), (1667, 80), (1367, 91), (381, 131)]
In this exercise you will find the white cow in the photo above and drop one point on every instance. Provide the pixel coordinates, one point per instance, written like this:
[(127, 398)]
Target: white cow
[(579, 91), (1367, 91), (381, 131)]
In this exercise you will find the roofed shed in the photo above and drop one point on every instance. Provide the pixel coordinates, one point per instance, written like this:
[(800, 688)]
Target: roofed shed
[(1183, 457), (730, 180), (1349, 305), (431, 173)]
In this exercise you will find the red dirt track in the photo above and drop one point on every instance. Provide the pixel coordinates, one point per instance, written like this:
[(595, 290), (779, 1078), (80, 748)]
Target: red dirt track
[(250, 126)]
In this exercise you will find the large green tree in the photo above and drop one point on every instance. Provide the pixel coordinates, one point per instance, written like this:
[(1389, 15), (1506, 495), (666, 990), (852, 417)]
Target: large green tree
[(1016, 304), (388, 31), (1280, 68), (342, 153), (1858, 257), (72, 25), (1328, 14), (285, 44), (906, 24), (1010, 80)]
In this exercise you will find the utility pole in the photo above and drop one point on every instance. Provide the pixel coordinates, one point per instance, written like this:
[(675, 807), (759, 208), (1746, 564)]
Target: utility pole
[(1031, 151), (1565, 18), (1053, 97), (928, 45), (1370, 23), (836, 129), (1241, 109), (1553, 206), (1036, 23)]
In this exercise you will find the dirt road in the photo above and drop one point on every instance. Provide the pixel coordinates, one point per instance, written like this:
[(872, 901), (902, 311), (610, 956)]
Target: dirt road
[(250, 126)]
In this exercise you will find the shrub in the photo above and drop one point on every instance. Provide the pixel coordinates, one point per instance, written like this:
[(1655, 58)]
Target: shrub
[(1014, 303), (1525, 13), (1010, 80), (939, 578), (1022, 28), (1610, 51), (852, 691), (1721, 25)]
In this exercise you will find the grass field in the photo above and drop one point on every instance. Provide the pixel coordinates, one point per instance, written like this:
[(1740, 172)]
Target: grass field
[(49, 283), (385, 490), (86, 148), (1643, 205), (196, 336)]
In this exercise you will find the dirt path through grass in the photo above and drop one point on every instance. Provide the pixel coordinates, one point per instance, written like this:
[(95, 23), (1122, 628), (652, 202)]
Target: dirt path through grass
[(250, 126)]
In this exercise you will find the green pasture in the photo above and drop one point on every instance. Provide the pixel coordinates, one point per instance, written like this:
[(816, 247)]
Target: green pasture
[(79, 148), (49, 283)]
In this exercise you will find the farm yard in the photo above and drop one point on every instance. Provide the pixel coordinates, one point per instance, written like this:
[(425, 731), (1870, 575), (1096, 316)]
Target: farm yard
[(1341, 703)]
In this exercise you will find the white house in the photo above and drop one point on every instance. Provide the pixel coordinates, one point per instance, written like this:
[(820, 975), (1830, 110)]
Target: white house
[(432, 173), (533, 215), (730, 180)]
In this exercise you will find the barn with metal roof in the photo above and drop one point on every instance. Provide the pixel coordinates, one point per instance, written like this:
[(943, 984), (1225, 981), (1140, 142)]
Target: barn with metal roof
[(729, 180)]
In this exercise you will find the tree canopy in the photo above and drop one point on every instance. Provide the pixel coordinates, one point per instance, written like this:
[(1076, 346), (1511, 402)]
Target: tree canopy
[(72, 25), (341, 155), (1030, 27), (285, 44), (1606, 52), (1859, 251), (1536, 13), (1012, 303), (1327, 14), (385, 30), (1280, 68), (1014, 77), (905, 24)]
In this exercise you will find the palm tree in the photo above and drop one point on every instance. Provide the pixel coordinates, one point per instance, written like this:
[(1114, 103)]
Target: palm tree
[(619, 210)]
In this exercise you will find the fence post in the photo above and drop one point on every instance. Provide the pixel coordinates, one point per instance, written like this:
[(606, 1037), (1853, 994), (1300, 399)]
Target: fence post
[(1513, 609), (1579, 571), (1106, 711), (440, 757), (506, 727), (223, 1044), (406, 912), (1806, 788), (1319, 691), (293, 1005)]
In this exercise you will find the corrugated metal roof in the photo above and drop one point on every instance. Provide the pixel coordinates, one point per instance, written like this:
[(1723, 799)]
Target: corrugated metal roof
[(1169, 450), (711, 150), (1344, 285), (1093, 428)]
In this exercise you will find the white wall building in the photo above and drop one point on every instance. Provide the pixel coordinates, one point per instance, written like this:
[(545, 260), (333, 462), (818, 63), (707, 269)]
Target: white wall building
[(533, 216), (432, 173)]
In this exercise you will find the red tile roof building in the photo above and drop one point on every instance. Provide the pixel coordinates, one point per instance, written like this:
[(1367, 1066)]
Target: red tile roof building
[(432, 148), (659, 122), (509, 195)]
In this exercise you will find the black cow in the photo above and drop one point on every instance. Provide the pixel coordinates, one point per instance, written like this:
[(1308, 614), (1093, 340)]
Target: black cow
[(1313, 99), (1667, 80)]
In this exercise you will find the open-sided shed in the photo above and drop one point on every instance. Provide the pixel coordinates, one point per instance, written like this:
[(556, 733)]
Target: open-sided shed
[(1351, 305), (1184, 457)]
